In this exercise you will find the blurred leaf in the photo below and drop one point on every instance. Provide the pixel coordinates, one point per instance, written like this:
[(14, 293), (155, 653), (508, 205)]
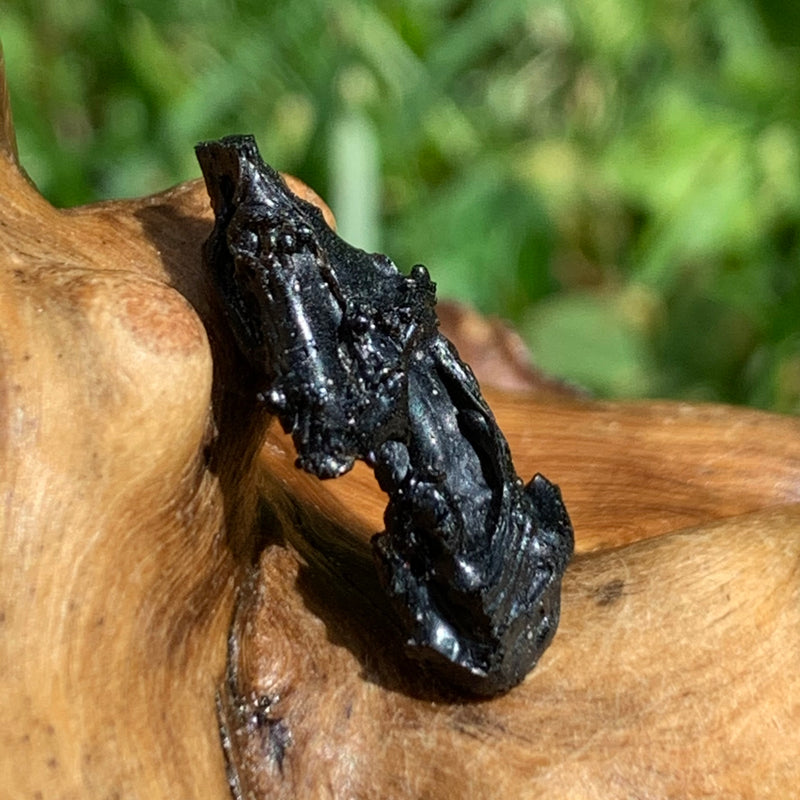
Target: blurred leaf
[(486, 241), (603, 349)]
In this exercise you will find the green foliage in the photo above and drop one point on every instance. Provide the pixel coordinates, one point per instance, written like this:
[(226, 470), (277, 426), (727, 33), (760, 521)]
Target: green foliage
[(619, 178)]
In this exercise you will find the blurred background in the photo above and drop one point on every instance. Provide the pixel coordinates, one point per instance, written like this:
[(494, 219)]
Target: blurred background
[(619, 179)]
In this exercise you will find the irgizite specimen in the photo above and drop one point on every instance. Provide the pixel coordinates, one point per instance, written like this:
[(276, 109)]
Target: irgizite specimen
[(348, 355)]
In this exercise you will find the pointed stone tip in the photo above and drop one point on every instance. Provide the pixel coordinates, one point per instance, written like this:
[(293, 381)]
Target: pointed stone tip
[(230, 153)]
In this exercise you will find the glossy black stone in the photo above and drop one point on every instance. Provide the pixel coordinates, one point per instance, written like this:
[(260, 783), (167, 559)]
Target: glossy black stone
[(347, 353)]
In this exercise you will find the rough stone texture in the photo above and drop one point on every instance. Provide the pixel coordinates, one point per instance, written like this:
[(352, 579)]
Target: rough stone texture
[(346, 351)]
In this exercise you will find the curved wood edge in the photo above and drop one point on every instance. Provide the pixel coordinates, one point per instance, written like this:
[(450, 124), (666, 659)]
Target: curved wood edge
[(674, 673), (627, 470)]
